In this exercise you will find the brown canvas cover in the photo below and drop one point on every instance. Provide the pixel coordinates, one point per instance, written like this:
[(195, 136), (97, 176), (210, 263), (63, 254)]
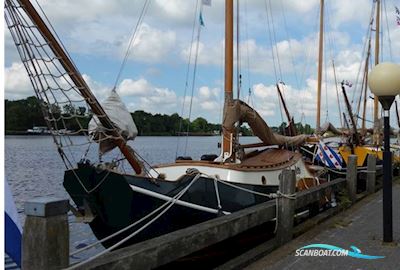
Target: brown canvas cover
[(239, 111), (327, 126)]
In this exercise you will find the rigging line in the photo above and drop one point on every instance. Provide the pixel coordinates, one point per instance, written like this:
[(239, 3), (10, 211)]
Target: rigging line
[(193, 80), (172, 203), (270, 40), (290, 45), (275, 39), (308, 59), (368, 32), (325, 62), (381, 37), (132, 40), (388, 31), (337, 93), (56, 35), (129, 226), (187, 77), (238, 75), (247, 45)]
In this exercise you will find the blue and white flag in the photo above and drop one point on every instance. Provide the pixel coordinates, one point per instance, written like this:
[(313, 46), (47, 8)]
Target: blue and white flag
[(12, 229), (328, 156)]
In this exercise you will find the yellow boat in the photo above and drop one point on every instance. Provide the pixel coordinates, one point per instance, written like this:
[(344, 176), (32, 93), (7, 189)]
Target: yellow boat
[(363, 151)]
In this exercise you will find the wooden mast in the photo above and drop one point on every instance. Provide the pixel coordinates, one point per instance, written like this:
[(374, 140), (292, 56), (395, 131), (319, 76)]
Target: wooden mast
[(397, 114), (376, 100), (80, 83), (365, 86), (227, 140), (320, 60), (291, 126)]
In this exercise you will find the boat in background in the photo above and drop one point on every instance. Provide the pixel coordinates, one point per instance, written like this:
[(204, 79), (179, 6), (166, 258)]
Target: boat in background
[(38, 131)]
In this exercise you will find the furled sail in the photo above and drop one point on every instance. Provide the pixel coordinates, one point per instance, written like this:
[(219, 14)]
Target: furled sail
[(327, 126), (121, 119), (239, 111)]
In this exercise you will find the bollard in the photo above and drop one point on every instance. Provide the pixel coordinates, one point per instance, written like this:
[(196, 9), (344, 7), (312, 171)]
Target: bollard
[(371, 174), (45, 239), (351, 177), (285, 209)]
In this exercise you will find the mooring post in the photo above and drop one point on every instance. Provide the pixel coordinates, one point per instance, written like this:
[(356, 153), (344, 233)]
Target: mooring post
[(45, 240), (286, 205), (351, 177), (371, 174)]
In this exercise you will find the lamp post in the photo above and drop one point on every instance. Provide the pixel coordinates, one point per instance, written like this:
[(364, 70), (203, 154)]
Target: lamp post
[(384, 82)]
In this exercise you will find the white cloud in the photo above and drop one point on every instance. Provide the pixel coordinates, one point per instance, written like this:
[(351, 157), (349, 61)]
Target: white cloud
[(152, 45), (16, 82), (129, 87)]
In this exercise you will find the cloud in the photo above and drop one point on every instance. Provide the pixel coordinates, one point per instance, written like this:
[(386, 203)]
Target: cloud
[(16, 82), (129, 87), (152, 45)]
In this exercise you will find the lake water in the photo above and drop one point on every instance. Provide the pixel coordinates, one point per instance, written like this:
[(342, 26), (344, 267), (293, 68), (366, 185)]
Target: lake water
[(34, 168)]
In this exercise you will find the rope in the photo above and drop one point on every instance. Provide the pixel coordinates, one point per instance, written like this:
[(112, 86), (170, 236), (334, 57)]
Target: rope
[(187, 78), (217, 194), (171, 203), (193, 80), (388, 32), (131, 225), (167, 205), (132, 40)]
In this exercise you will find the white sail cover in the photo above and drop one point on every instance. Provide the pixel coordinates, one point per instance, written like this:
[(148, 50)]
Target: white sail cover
[(119, 116)]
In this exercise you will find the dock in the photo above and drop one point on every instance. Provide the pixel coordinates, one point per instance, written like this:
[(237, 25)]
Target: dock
[(360, 226)]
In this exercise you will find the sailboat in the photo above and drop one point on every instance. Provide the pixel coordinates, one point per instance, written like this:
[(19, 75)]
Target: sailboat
[(357, 144), (174, 195)]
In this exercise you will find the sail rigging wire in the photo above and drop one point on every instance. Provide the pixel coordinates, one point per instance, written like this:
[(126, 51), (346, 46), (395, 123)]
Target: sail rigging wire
[(363, 56), (290, 45), (388, 31), (199, 26), (247, 51), (364, 50), (187, 77), (55, 33), (274, 40), (337, 93), (132, 39)]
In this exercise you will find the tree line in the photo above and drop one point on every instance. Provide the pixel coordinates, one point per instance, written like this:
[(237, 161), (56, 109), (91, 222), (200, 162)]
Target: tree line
[(24, 114)]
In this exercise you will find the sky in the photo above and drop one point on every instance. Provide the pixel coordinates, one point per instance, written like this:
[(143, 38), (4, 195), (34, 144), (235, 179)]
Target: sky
[(277, 42)]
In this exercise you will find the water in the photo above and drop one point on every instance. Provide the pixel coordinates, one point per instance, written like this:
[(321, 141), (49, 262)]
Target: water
[(34, 168)]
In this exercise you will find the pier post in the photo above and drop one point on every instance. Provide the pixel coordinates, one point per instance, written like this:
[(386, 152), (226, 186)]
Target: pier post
[(45, 240), (351, 177), (286, 206), (371, 174)]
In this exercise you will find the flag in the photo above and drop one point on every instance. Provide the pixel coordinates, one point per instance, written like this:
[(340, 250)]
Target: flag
[(12, 229), (201, 19), (206, 2), (328, 156)]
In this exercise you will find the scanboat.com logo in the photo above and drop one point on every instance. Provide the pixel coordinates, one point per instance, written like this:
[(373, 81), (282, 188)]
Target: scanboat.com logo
[(314, 250)]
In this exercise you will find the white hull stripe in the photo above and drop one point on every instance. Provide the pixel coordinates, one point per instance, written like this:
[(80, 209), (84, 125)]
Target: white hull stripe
[(178, 202)]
